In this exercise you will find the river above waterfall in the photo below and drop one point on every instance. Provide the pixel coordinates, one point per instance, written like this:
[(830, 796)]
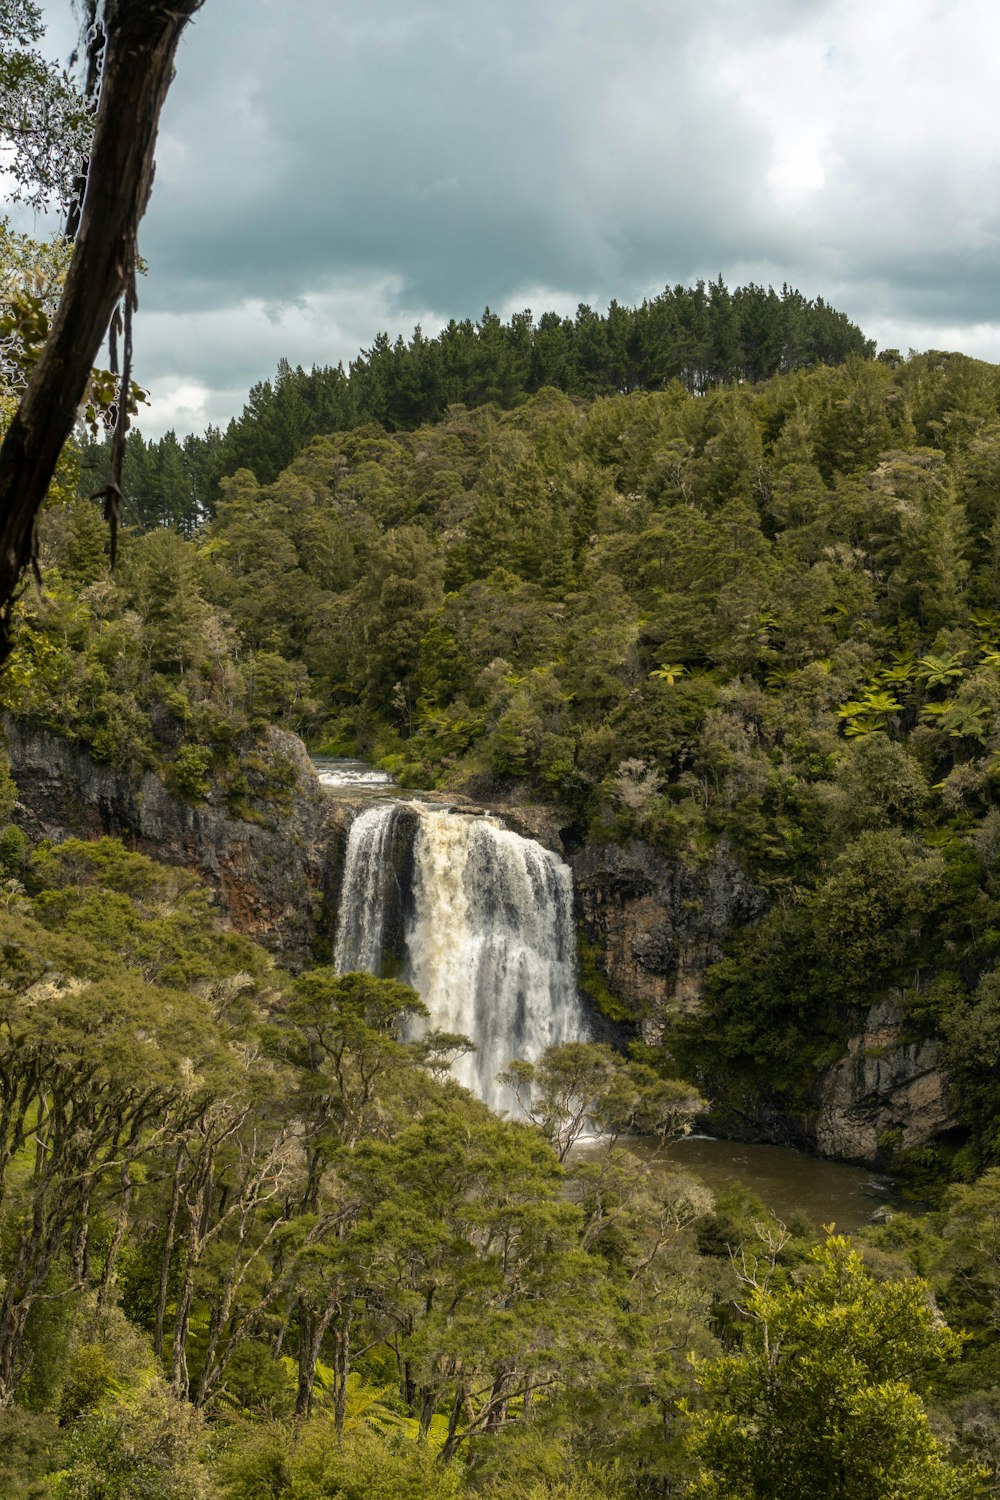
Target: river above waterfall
[(343, 774)]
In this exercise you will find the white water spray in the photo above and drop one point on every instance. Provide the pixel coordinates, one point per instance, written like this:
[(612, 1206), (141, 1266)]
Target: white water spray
[(368, 872), (487, 926)]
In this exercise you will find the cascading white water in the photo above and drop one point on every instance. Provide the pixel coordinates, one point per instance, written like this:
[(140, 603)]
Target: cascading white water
[(358, 947), (488, 932), (491, 948)]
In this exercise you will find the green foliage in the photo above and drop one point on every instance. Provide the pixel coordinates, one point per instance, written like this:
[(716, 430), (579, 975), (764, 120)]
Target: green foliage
[(532, 1464), (226, 1196), (191, 772), (971, 1028), (29, 1448), (701, 337), (147, 1444), (581, 1085), (877, 785), (141, 667), (871, 910), (593, 982), (308, 1464), (819, 1401), (44, 121)]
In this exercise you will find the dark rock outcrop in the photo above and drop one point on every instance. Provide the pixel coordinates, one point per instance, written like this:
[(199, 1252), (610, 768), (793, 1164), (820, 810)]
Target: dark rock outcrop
[(274, 870), (660, 923), (887, 1094)]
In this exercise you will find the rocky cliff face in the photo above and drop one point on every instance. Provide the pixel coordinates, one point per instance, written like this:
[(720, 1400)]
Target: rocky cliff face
[(273, 870), (656, 924), (660, 924), (886, 1094)]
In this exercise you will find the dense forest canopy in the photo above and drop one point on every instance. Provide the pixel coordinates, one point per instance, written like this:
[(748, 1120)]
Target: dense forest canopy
[(702, 336), (764, 617), (257, 1243)]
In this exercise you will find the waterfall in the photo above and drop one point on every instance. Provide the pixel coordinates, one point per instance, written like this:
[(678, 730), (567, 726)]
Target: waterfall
[(483, 923), (377, 878)]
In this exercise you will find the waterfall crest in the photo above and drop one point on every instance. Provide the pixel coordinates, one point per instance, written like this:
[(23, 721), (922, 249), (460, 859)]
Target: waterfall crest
[(486, 922)]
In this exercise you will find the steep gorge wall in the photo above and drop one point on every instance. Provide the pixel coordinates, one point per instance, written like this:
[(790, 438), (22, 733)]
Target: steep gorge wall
[(886, 1094), (273, 871), (659, 924), (655, 924)]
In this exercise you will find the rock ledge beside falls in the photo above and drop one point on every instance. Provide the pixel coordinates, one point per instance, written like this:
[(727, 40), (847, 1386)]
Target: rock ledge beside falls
[(273, 872)]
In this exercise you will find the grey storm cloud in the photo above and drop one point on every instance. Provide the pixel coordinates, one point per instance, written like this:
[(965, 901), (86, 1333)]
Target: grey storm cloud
[(329, 170), (466, 149)]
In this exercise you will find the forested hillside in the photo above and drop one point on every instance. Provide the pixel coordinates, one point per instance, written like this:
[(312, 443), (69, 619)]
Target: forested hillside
[(767, 615), (764, 617), (256, 1243), (699, 592), (701, 336)]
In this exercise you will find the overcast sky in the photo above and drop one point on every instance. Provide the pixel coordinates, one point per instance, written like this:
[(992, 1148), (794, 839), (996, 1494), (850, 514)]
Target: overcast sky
[(331, 168)]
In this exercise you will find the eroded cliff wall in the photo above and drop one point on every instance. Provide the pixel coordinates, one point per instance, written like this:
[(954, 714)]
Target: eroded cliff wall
[(655, 924), (273, 869), (658, 923)]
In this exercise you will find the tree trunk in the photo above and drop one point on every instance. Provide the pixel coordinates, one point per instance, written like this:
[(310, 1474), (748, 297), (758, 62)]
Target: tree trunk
[(428, 1406), (178, 1363), (10, 1351), (312, 1330), (196, 1239), (27, 1277), (80, 1244), (498, 1402), (142, 38), (308, 1355), (342, 1369), (107, 1285), (450, 1446), (167, 1255)]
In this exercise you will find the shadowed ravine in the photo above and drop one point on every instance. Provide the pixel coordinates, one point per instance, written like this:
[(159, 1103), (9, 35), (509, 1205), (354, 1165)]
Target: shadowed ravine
[(480, 922)]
